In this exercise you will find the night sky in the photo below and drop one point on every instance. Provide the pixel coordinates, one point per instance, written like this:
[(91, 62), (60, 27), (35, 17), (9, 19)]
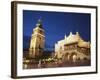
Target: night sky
[(56, 25)]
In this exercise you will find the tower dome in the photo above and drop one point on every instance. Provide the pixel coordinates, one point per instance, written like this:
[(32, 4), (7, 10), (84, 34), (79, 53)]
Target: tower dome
[(39, 23)]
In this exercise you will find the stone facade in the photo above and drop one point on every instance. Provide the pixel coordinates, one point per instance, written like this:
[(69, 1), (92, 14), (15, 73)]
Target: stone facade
[(37, 41), (72, 48)]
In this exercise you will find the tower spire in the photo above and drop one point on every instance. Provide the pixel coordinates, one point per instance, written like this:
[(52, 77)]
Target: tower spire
[(77, 33), (71, 33), (39, 23), (65, 36)]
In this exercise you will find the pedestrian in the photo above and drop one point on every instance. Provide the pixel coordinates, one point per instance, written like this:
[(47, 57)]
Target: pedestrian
[(39, 64)]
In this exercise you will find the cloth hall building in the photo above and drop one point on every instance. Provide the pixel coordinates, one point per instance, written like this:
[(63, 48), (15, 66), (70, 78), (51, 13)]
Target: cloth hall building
[(73, 48)]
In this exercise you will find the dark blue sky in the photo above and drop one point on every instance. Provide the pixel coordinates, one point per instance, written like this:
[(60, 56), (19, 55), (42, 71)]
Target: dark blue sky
[(56, 25)]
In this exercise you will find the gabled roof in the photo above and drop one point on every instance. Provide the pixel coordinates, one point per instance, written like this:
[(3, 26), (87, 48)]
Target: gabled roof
[(72, 38), (75, 38)]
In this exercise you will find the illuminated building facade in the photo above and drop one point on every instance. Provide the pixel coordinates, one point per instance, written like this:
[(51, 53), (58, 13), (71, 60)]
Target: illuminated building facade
[(72, 48), (37, 41)]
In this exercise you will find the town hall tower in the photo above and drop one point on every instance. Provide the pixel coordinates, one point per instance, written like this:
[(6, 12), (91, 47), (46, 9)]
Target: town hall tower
[(37, 41)]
